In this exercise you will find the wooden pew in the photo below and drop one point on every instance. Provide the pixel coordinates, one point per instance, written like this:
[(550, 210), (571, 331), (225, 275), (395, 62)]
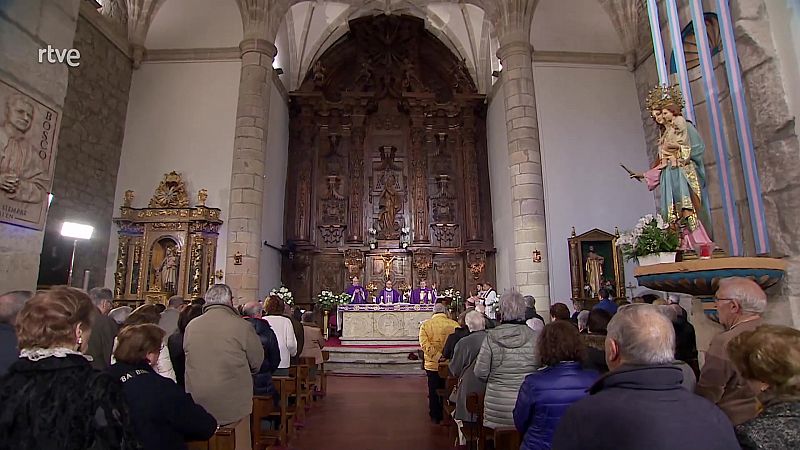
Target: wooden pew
[(300, 375), (474, 430), (223, 439), (286, 388), (323, 376), (312, 381), (263, 406)]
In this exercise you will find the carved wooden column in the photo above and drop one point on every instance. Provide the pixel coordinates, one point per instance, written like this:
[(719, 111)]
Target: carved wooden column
[(247, 175), (419, 173), (355, 220), (471, 178)]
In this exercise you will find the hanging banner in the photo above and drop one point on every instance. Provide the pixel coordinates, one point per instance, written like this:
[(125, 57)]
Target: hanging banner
[(658, 44), (716, 124), (743, 132), (680, 57)]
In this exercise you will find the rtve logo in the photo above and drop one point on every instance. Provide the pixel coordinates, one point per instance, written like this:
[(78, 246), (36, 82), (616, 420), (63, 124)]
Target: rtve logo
[(53, 55)]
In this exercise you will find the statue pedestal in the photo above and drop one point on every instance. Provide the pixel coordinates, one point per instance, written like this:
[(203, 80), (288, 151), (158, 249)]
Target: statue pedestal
[(700, 278)]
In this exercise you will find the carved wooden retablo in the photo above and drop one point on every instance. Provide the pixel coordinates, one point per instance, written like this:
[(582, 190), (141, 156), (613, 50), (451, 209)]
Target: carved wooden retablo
[(388, 167)]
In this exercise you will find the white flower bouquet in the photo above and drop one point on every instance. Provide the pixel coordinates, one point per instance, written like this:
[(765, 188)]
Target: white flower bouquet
[(650, 235), (284, 294), (327, 300)]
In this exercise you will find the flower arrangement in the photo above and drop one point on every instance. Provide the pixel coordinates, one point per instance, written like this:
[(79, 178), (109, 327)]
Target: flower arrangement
[(284, 294), (650, 235), (327, 300), (455, 295)]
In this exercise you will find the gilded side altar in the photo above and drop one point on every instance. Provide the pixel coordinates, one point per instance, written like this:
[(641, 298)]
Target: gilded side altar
[(166, 249)]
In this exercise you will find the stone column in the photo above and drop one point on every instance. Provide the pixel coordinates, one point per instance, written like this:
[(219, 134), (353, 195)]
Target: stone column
[(247, 174), (512, 24)]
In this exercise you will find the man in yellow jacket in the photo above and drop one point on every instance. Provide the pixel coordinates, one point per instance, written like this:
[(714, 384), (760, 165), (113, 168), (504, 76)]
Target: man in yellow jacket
[(432, 336)]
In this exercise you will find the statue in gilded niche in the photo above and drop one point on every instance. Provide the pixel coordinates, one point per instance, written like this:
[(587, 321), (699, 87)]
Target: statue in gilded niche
[(594, 271), (679, 171), (168, 271)]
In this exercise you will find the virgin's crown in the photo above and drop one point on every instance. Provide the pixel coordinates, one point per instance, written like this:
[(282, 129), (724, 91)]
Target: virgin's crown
[(662, 96)]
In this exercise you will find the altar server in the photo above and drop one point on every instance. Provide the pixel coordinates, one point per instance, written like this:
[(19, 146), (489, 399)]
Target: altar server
[(358, 294), (423, 294), (389, 295)]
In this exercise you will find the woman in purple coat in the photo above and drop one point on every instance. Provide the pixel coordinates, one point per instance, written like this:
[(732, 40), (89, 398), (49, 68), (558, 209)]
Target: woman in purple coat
[(547, 393)]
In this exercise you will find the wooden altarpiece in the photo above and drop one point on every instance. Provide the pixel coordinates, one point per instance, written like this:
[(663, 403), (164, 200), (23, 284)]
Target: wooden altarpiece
[(388, 169), (168, 248), (593, 244)]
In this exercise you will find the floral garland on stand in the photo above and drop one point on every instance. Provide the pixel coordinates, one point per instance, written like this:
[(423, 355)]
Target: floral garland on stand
[(328, 301), (284, 294)]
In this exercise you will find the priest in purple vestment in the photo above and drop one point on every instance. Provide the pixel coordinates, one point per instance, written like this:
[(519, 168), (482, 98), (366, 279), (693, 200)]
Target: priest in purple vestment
[(389, 295), (423, 294), (358, 294)]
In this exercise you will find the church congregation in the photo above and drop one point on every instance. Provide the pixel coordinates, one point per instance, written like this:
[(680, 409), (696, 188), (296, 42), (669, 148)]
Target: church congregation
[(399, 224)]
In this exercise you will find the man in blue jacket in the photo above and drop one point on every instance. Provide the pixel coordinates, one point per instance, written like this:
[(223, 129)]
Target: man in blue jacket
[(262, 381), (640, 404)]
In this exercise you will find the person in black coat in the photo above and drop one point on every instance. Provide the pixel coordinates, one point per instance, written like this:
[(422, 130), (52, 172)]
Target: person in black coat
[(175, 342), (461, 332), (641, 404), (51, 397), (685, 338), (262, 381), (162, 414)]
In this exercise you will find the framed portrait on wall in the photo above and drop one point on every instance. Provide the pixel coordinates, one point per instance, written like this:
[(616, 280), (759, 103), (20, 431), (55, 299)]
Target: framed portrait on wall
[(28, 136)]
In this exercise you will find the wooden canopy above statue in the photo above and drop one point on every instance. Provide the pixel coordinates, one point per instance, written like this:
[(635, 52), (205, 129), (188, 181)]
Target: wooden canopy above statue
[(388, 169)]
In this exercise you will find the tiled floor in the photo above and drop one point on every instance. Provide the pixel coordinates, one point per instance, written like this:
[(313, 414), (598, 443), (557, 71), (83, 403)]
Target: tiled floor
[(372, 413)]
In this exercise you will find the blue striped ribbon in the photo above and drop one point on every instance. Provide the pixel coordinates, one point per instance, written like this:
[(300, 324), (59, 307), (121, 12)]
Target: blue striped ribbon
[(716, 123), (658, 45), (743, 132), (680, 58)]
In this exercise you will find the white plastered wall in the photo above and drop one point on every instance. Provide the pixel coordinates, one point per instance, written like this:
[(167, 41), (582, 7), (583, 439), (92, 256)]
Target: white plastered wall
[(181, 116), (500, 182), (589, 123), (274, 191)]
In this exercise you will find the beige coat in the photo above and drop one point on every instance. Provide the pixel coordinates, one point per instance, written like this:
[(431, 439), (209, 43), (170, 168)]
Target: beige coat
[(222, 353), (313, 343)]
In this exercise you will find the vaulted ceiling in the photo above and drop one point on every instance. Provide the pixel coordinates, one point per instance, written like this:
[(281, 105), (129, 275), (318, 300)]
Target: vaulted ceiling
[(308, 28)]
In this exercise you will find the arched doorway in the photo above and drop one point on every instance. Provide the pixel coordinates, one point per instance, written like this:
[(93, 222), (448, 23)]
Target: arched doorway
[(388, 170)]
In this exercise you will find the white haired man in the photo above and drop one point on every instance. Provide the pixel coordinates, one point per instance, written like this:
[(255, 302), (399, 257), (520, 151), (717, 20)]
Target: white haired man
[(739, 302), (432, 335), (640, 404), (104, 329), (222, 351), (10, 304)]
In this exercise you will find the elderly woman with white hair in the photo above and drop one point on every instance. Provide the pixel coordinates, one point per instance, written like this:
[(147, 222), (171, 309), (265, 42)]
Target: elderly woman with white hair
[(507, 356), (739, 302)]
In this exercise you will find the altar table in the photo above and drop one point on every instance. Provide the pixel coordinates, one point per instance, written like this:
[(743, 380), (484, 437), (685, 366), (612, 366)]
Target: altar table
[(376, 324)]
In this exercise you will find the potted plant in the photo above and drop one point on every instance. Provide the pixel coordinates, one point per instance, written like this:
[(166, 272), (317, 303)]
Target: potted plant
[(652, 241)]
